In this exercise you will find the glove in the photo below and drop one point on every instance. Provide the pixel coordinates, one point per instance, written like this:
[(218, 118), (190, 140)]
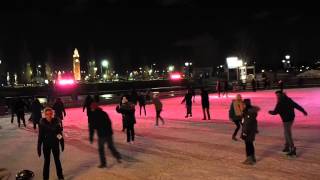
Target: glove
[(39, 151)]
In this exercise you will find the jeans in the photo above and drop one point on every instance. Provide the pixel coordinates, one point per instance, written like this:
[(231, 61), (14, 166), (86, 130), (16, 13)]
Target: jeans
[(288, 134)]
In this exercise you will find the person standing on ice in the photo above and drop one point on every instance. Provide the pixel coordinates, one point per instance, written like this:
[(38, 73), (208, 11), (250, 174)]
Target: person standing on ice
[(127, 109), (142, 103), (19, 108), (188, 100), (101, 122), (249, 130), (49, 139), (87, 105), (36, 115), (285, 108), (236, 114), (218, 88), (205, 103), (59, 110), (158, 106), (226, 88)]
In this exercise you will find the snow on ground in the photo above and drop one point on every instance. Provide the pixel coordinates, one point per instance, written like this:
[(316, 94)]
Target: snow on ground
[(182, 148)]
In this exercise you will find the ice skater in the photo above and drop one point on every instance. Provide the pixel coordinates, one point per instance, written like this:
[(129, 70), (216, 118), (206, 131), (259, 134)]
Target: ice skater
[(102, 124), (49, 139), (205, 104), (142, 103), (249, 130), (127, 109), (36, 115), (218, 88), (188, 100), (19, 109), (158, 106), (59, 110), (285, 108), (226, 88), (236, 114)]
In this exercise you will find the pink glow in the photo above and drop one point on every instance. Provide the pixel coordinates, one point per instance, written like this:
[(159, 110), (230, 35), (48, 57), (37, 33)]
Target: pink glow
[(64, 82), (175, 76)]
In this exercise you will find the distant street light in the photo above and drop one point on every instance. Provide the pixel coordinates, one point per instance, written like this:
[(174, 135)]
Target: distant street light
[(186, 64), (287, 57), (171, 68), (104, 64)]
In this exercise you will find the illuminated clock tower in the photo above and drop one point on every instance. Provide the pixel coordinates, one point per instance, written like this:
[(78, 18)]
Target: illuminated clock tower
[(76, 65)]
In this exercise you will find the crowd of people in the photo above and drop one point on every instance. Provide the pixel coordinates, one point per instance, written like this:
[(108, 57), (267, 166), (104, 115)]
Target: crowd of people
[(241, 112)]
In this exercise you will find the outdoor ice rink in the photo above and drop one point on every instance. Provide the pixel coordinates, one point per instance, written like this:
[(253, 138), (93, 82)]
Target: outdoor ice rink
[(182, 148)]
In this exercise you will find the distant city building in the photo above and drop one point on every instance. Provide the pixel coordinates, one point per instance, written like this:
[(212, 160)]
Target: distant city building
[(76, 65), (92, 69), (28, 73)]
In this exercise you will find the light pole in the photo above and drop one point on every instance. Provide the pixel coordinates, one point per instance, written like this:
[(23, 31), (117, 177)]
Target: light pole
[(104, 64)]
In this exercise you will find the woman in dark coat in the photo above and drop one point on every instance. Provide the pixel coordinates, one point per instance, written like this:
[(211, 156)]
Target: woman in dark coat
[(249, 130), (127, 109), (49, 139)]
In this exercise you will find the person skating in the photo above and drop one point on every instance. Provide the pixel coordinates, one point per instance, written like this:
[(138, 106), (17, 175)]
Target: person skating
[(142, 103), (226, 88), (158, 106), (36, 115), (205, 104), (87, 106), (19, 108), (285, 108), (249, 130), (218, 88), (102, 124), (49, 139), (59, 110), (236, 114), (254, 85), (134, 96), (193, 92), (188, 100), (127, 109), (12, 108)]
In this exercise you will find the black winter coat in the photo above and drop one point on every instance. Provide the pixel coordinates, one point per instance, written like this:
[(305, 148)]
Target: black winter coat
[(285, 108), (128, 113), (36, 108), (59, 110), (48, 133), (250, 125), (100, 121)]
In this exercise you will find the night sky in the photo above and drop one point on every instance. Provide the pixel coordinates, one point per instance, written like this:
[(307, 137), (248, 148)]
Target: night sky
[(161, 31)]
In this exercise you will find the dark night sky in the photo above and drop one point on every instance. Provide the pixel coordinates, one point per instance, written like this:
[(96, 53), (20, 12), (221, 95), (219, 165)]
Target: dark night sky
[(161, 31)]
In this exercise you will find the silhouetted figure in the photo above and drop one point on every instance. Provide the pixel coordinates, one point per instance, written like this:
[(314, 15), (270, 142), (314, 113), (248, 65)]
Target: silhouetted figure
[(226, 88), (285, 108), (281, 85), (218, 88), (19, 108), (142, 103), (87, 104), (36, 115), (205, 104), (102, 124), (254, 85), (59, 110), (158, 106), (134, 96), (188, 100)]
